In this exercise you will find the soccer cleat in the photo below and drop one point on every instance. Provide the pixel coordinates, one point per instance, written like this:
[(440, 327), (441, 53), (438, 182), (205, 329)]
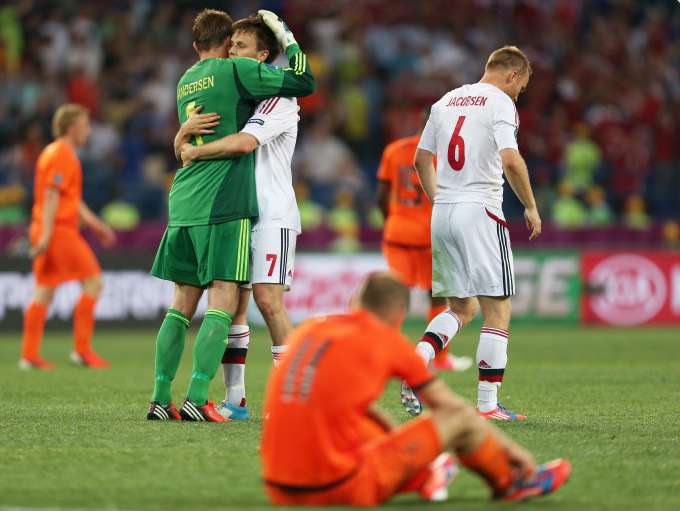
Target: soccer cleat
[(35, 363), (501, 413), (451, 363), (158, 412), (89, 359), (410, 401), (203, 413), (443, 470), (547, 479), (231, 411)]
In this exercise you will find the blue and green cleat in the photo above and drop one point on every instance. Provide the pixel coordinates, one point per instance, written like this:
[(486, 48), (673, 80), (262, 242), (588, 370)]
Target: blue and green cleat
[(229, 410)]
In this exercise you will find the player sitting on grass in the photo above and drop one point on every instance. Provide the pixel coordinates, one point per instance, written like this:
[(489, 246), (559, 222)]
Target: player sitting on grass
[(321, 447), (271, 132), (211, 206)]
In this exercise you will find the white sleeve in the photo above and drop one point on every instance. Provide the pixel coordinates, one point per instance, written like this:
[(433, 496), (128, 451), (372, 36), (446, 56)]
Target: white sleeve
[(428, 139), (271, 118), (505, 124)]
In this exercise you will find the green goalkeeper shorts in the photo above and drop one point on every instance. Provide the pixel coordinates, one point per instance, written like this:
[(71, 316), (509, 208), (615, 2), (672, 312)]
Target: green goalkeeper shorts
[(197, 255)]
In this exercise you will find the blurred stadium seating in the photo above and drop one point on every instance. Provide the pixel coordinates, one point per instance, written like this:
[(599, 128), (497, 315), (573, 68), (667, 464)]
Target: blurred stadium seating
[(599, 129), (598, 121)]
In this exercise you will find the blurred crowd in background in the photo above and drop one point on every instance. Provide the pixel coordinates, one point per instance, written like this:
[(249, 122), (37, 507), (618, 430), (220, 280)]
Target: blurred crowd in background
[(598, 122)]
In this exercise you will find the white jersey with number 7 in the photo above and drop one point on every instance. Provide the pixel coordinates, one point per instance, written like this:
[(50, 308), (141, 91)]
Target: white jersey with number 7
[(466, 130)]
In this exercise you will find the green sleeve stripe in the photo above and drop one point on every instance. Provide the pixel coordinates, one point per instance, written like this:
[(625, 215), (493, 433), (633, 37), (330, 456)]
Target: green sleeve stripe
[(219, 314), (179, 316)]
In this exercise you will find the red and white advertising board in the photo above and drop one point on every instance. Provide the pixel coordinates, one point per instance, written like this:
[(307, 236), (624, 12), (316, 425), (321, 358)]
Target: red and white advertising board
[(631, 288)]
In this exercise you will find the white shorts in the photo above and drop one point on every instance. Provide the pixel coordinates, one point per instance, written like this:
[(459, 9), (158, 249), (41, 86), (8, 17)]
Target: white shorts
[(471, 254), (272, 253)]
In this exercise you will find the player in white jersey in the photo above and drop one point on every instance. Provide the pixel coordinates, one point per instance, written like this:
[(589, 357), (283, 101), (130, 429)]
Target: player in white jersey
[(271, 132), (472, 131)]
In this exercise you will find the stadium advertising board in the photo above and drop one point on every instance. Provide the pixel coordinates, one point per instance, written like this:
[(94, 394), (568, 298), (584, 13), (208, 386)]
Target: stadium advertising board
[(629, 289), (547, 285)]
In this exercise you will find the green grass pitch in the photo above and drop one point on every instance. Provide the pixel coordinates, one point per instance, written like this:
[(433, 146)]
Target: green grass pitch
[(607, 399)]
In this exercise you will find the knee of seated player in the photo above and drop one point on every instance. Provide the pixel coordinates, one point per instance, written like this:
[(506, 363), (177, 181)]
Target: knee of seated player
[(457, 423), (269, 299)]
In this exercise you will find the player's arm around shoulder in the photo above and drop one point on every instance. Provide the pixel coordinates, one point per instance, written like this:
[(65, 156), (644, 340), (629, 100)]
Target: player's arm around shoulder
[(231, 146)]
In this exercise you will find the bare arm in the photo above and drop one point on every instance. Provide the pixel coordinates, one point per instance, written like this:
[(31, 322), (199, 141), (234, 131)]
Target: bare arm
[(517, 174), (49, 214), (230, 146), (197, 124), (424, 166), (104, 233), (384, 197)]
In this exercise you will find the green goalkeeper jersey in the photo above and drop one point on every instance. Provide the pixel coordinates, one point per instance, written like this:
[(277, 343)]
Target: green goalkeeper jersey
[(216, 191)]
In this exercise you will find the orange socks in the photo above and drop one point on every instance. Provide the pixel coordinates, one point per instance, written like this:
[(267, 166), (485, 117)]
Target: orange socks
[(83, 323), (491, 462), (34, 327)]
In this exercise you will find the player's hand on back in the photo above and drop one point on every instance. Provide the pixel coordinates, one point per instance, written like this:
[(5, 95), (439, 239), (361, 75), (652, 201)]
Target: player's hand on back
[(533, 221), (201, 124), (283, 34)]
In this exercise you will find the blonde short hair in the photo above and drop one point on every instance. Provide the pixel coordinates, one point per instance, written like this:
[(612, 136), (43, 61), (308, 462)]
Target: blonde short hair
[(507, 58), (65, 116)]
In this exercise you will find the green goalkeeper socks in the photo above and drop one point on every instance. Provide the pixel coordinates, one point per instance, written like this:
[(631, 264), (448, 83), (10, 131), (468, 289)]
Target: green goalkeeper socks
[(169, 348), (208, 351)]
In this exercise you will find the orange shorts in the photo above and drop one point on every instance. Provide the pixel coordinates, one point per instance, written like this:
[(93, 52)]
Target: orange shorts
[(394, 463), (412, 263), (68, 257)]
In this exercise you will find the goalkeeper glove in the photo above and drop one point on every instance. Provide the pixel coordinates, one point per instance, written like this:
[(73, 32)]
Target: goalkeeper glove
[(283, 34)]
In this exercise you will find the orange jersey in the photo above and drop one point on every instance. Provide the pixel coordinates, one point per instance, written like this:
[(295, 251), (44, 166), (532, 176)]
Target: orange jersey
[(58, 167), (317, 400), (408, 221)]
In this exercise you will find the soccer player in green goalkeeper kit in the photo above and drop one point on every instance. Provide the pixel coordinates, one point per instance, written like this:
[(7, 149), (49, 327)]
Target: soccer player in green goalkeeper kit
[(212, 205)]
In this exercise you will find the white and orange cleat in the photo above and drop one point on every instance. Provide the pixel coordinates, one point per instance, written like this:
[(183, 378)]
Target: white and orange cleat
[(89, 359), (443, 470), (38, 363), (501, 413)]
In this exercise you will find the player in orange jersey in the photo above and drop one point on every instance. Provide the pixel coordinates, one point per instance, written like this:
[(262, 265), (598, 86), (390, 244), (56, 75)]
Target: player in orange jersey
[(59, 251), (406, 238), (321, 447)]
